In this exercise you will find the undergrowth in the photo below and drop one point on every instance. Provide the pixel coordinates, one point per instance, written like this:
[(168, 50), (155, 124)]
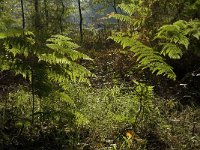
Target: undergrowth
[(118, 117)]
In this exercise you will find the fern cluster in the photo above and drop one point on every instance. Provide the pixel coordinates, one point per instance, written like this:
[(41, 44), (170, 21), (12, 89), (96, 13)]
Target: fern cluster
[(134, 13), (177, 36), (173, 38), (49, 64), (146, 56)]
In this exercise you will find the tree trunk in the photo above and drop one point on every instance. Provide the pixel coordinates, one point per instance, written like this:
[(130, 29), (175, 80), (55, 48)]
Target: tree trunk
[(81, 21), (37, 17), (23, 16), (37, 29), (46, 13), (61, 16), (115, 6)]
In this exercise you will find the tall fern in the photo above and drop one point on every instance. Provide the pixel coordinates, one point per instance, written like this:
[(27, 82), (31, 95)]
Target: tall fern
[(135, 15), (51, 64)]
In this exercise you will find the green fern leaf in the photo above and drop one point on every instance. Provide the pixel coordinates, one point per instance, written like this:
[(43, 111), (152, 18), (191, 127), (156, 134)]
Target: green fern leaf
[(172, 50)]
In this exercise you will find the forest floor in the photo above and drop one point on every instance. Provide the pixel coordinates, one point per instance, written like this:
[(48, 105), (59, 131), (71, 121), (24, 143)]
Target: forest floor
[(178, 100)]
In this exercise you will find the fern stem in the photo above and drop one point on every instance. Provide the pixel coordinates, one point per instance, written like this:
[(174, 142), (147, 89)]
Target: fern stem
[(33, 96)]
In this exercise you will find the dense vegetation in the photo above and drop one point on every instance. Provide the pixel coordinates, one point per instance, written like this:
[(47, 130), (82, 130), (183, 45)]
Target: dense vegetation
[(96, 74)]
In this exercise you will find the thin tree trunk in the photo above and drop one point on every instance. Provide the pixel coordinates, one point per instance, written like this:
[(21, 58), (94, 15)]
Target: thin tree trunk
[(37, 29), (115, 9), (115, 6), (81, 21), (46, 13), (37, 17), (61, 16), (23, 16), (23, 26)]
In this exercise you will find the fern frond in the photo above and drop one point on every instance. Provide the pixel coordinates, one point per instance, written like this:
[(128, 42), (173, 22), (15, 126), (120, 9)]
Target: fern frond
[(177, 35), (147, 57), (123, 18), (193, 29), (53, 59), (16, 32), (172, 50), (128, 9), (80, 73), (17, 41), (134, 14), (64, 46)]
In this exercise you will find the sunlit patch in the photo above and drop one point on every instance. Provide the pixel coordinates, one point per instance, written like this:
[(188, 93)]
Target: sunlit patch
[(130, 134)]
